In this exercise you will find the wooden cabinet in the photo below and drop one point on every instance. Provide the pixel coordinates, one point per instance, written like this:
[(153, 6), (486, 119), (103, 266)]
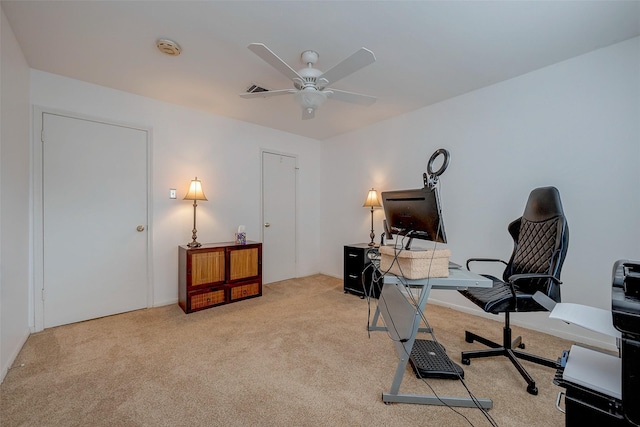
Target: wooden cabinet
[(357, 270), (218, 273)]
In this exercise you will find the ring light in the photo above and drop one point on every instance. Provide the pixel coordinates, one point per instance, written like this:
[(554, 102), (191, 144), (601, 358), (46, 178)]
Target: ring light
[(431, 179)]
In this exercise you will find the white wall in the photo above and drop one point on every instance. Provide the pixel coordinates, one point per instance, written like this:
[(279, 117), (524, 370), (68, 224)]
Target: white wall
[(573, 125), (223, 153), (14, 198)]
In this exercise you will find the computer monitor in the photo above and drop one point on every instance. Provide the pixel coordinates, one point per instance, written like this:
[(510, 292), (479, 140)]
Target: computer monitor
[(415, 214)]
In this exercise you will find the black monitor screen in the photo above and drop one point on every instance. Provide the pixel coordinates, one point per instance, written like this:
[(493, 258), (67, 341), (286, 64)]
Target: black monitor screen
[(415, 213)]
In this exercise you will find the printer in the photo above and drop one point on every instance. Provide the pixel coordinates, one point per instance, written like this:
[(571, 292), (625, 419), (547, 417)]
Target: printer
[(604, 388)]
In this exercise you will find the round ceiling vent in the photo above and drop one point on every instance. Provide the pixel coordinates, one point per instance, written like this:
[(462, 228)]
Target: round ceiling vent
[(169, 47)]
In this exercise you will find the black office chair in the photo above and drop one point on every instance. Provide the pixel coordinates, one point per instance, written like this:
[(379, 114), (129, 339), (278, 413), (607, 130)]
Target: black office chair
[(540, 241)]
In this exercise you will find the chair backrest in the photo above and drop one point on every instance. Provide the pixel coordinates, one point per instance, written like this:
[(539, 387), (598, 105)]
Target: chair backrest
[(540, 241)]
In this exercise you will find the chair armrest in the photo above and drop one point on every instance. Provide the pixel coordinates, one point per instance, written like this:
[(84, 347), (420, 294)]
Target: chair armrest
[(511, 281), (514, 278), (485, 260), (528, 276), (544, 301)]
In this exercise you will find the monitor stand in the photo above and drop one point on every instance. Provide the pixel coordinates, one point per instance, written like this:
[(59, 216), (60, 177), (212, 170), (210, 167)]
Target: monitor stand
[(429, 360)]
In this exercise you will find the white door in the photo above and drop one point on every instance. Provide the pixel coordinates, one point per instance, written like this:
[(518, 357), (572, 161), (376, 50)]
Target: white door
[(279, 216), (94, 220)]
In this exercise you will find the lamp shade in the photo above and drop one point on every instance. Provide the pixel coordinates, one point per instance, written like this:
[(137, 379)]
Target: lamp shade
[(195, 191), (372, 200)]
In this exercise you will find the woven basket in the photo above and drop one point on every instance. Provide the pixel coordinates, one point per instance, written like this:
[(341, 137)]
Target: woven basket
[(415, 264)]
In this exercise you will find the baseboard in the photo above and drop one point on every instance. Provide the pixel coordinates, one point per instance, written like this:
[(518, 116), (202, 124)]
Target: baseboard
[(13, 356), (163, 303)]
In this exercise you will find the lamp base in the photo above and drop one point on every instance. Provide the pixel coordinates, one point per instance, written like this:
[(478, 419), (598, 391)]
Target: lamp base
[(194, 244)]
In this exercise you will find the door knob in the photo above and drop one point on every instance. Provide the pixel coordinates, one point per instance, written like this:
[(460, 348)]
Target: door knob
[(140, 228), (266, 224)]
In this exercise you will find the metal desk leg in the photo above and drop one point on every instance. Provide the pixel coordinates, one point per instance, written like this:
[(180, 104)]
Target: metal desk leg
[(403, 348), (376, 316)]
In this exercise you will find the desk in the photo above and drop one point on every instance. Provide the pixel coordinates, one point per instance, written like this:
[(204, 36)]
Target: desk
[(405, 317), (459, 279)]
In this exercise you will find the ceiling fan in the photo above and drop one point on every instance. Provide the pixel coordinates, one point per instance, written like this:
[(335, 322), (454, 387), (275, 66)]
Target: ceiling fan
[(310, 83)]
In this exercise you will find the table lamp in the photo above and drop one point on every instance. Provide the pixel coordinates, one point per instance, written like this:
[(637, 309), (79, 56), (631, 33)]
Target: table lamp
[(195, 193), (372, 201)]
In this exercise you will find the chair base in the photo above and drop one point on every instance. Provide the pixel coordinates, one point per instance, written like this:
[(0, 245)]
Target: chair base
[(506, 349)]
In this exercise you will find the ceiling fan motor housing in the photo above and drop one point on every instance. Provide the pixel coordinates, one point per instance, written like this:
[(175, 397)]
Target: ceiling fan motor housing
[(309, 79)]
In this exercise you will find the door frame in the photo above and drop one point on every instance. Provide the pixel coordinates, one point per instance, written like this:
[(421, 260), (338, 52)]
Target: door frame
[(296, 195), (37, 193)]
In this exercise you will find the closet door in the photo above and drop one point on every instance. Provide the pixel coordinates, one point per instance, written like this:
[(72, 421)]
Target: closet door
[(94, 219), (279, 216)]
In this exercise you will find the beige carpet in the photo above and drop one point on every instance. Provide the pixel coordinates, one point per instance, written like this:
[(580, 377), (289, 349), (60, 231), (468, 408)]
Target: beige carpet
[(297, 356)]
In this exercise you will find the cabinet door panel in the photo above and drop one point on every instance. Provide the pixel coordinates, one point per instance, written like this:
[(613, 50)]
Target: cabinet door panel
[(243, 263), (207, 267)]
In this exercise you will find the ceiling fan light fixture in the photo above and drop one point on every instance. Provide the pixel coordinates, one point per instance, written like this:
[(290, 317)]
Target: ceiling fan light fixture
[(310, 99)]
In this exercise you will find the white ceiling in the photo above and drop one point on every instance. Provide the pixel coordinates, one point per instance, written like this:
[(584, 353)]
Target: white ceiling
[(426, 51)]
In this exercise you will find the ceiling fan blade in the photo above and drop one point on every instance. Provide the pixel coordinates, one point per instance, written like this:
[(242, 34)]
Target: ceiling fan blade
[(272, 59), (267, 93), (360, 59), (354, 98), (308, 114)]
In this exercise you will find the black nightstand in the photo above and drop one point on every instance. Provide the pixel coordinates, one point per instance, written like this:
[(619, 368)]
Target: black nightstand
[(357, 257)]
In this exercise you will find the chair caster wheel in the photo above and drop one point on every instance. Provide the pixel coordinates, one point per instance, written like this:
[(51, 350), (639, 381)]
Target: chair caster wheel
[(466, 362), (532, 389), (521, 345)]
